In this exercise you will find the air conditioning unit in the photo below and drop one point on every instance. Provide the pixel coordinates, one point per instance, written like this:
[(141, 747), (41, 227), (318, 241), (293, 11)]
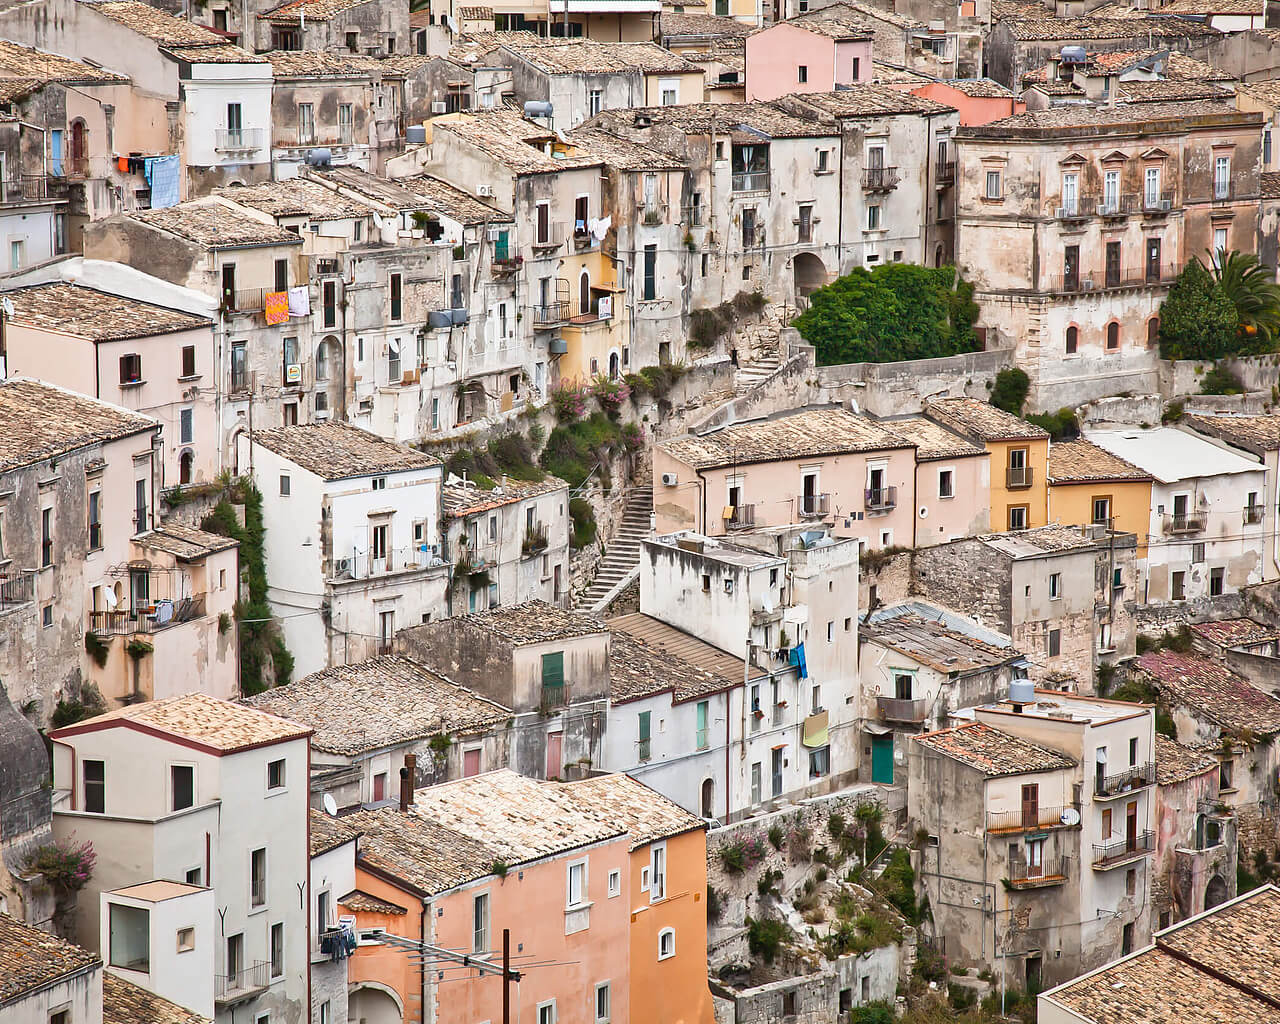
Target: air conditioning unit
[(669, 480), (484, 190), (293, 373), (1087, 284), (494, 233), (342, 568), (438, 107)]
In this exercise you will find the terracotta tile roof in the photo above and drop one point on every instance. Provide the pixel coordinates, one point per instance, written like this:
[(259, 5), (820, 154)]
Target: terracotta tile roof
[(363, 902), (836, 21), (934, 441), (520, 819), (339, 451), (511, 140), (383, 702), (321, 64), (328, 832), (296, 197), (475, 13), (993, 752), (218, 726), (980, 88), (890, 74), (215, 225), (1092, 120), (461, 500), (1156, 988), (932, 642), (700, 24), (647, 816), (123, 1002), (766, 119), (591, 56), (1239, 941), (982, 421), (1213, 691), (39, 420), (1234, 632), (225, 53), (291, 11), (1038, 540), (638, 669), (1163, 92), (1046, 28), (861, 100), (799, 435), (1256, 434), (1176, 66), (388, 193), (1176, 763), (430, 857), (154, 23), (1081, 460), (1210, 7), (185, 543), (1266, 91), (471, 47), (31, 960), (96, 315), (622, 153), (685, 646), (450, 201), (534, 622), (26, 63)]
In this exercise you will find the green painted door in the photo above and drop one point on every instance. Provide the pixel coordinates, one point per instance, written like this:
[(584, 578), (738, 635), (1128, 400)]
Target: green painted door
[(882, 759)]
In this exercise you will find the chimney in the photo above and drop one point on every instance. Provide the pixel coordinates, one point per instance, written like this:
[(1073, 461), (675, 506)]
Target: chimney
[(406, 781), (1051, 73)]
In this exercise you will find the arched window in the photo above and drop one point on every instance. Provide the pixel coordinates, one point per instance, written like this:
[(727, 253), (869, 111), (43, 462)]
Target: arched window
[(1153, 332), (1073, 339), (584, 293), (185, 461), (666, 943), (1113, 336), (708, 798), (79, 148), (613, 366)]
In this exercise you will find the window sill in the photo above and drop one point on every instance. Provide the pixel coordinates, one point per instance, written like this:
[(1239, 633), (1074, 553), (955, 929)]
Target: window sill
[(187, 380), (946, 497), (254, 911), (818, 174), (132, 383)]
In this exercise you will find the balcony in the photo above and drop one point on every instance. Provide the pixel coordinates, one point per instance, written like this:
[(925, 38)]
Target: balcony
[(1018, 478), (898, 709), (18, 590), (25, 188), (246, 300), (880, 499), (1029, 819), (1185, 522), (1123, 851), (548, 238), (242, 985), (363, 565), (814, 505), (945, 173), (751, 181), (1157, 205), (1127, 781), (1117, 206), (1145, 275), (879, 179), (1253, 515), (553, 314), (153, 618), (644, 750), (1053, 871), (553, 698), (535, 539), (653, 214), (1073, 211), (238, 140), (742, 518)]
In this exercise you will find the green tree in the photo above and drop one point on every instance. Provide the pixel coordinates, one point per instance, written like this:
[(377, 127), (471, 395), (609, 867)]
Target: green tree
[(1198, 320), (1009, 392), (1253, 291), (896, 311)]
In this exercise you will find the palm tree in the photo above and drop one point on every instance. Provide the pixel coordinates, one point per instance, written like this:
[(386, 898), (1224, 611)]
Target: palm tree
[(1252, 289)]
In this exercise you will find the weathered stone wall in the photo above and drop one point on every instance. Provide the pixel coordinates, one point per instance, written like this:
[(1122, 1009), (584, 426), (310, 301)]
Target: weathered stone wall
[(1185, 376)]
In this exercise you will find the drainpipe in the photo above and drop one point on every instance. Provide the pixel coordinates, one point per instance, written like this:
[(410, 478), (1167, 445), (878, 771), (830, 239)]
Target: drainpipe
[(702, 501)]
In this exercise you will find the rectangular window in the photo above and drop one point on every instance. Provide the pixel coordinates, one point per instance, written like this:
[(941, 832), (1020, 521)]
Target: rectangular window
[(595, 102), (804, 224), (703, 738), (873, 218), (1221, 177), (1216, 581), (94, 775), (553, 670), (188, 360), (130, 937), (1070, 194), (346, 133), (1055, 585), (1017, 517), (602, 1003), (1055, 642), (645, 740), (946, 483), (802, 73), (95, 520), (277, 950), (396, 297), (275, 774), (186, 426), (657, 873), (1151, 187), (480, 923), (819, 763), (306, 125), (182, 778), (650, 291), (131, 368), (1102, 511), (329, 303), (46, 537), (543, 236), (239, 367), (615, 883), (993, 185), (1111, 191), (282, 275), (1178, 586), (284, 485), (576, 893), (547, 1013), (258, 877)]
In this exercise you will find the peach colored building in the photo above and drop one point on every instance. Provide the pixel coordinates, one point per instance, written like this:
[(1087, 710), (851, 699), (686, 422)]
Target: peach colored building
[(813, 52), (952, 482), (566, 867), (979, 100), (822, 464)]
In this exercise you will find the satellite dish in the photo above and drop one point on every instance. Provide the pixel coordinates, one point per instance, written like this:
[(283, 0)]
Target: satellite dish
[(1070, 816), (924, 511), (7, 305), (331, 806)]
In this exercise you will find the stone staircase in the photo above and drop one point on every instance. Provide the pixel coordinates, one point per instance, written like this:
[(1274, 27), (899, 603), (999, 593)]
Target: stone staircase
[(758, 350), (622, 553)]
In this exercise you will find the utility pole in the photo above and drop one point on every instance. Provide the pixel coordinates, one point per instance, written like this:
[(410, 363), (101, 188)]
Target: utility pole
[(506, 976)]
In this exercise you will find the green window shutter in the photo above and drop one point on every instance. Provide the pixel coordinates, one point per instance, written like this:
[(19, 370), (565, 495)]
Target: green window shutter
[(644, 726), (553, 669)]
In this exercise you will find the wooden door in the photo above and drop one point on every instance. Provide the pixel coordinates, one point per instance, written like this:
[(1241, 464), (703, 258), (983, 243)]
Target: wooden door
[(554, 754), (1030, 806)]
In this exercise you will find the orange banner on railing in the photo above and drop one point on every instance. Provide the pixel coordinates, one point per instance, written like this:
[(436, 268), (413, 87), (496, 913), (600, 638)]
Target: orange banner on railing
[(277, 307)]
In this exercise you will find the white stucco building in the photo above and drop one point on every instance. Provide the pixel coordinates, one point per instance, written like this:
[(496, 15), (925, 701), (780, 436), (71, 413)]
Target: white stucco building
[(352, 541), (1208, 532), (204, 793)]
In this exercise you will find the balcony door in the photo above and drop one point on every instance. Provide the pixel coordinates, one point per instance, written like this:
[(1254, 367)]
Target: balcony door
[(1131, 825), (1071, 268), (1180, 508), (1030, 806)]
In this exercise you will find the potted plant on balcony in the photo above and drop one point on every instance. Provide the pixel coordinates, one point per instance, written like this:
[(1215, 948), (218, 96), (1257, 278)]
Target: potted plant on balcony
[(97, 648)]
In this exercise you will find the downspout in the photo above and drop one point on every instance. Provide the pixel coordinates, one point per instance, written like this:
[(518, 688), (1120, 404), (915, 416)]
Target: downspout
[(702, 501), (307, 851), (728, 716), (840, 211), (422, 939), (915, 498)]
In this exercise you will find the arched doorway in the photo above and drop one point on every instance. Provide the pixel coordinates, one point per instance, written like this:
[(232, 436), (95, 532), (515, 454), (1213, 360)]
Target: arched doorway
[(708, 798), (614, 368), (808, 274), (185, 461), (584, 293), (79, 148), (374, 1004), (939, 256), (1215, 892)]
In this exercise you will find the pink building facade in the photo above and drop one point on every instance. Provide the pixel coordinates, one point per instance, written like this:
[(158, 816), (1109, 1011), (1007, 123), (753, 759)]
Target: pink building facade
[(788, 58)]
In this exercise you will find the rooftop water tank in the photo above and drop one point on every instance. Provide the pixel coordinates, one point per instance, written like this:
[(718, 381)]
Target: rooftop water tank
[(1022, 691), (319, 157), (537, 108), (1074, 55)]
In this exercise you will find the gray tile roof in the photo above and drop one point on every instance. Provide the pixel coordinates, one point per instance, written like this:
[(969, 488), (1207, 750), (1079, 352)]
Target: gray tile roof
[(994, 752), (339, 451), (97, 315), (38, 421), (534, 622), (31, 960)]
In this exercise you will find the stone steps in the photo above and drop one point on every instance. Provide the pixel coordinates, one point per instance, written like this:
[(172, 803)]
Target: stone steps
[(622, 552)]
